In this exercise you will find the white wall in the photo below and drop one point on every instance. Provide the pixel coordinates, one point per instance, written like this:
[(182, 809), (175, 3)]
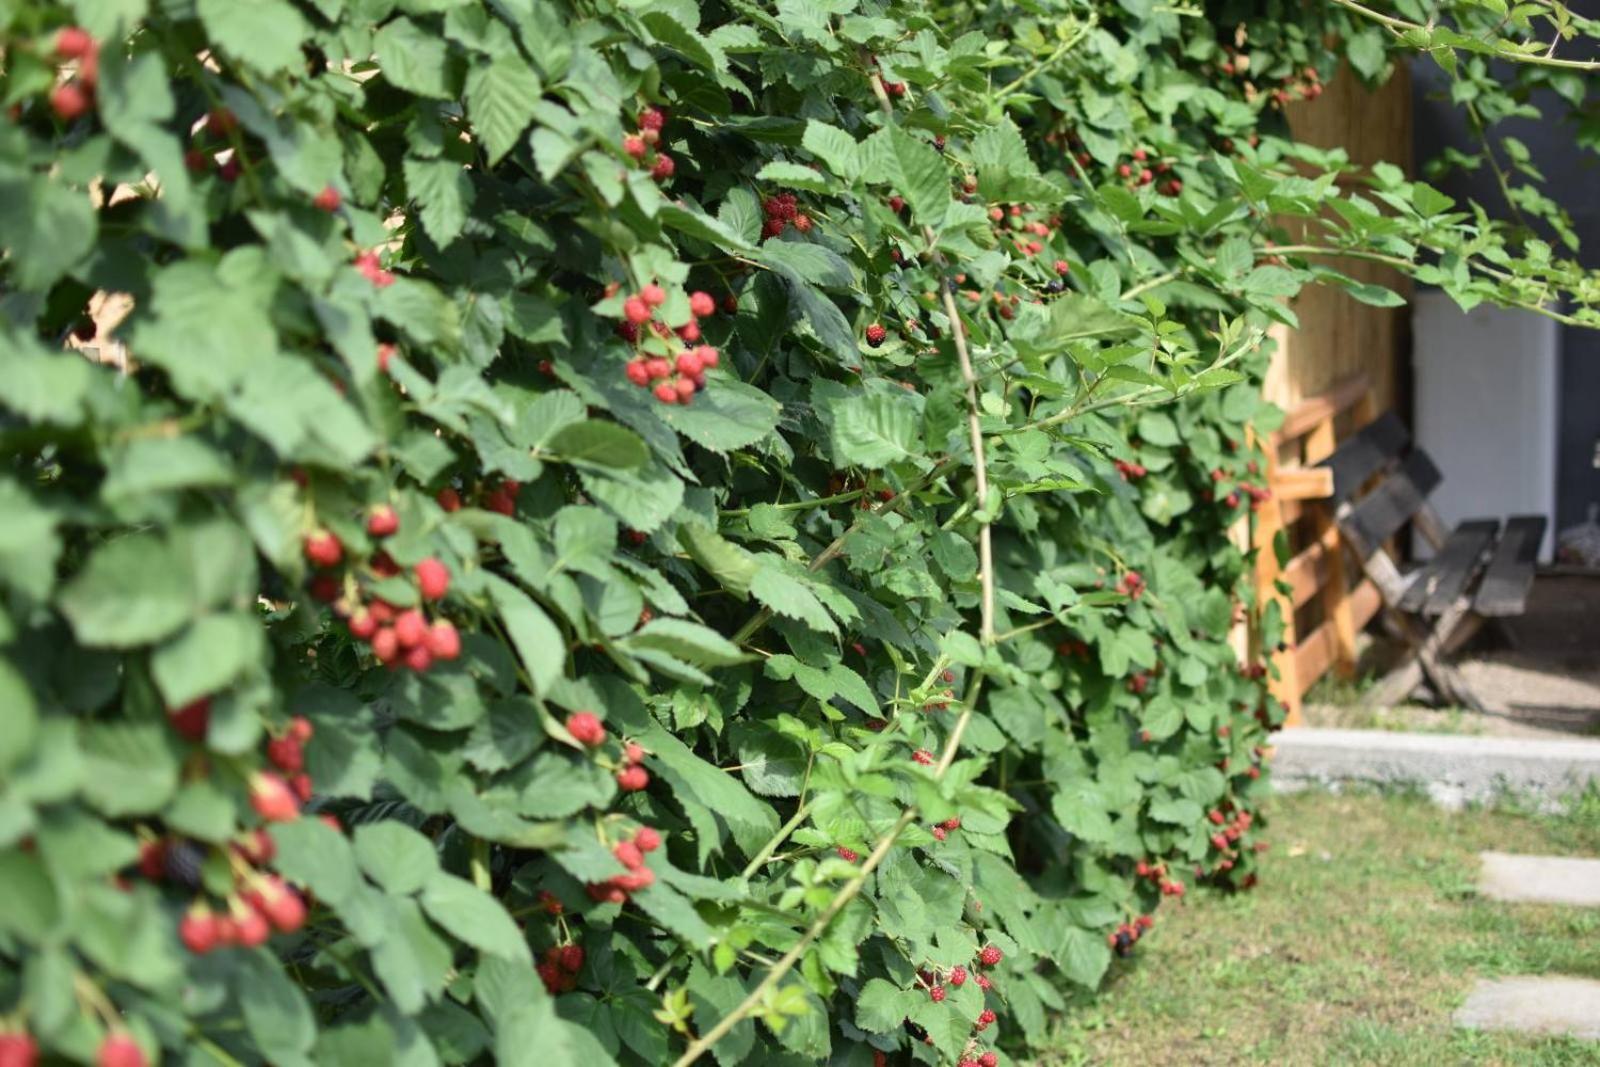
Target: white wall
[(1486, 408)]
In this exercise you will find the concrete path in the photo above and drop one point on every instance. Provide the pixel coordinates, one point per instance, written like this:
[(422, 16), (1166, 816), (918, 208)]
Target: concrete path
[(1540, 879), (1567, 1007)]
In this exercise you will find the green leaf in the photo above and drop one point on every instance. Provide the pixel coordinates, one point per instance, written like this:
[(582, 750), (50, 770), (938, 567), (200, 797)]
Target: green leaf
[(276, 1012), (412, 961), (794, 176), (598, 444), (133, 591), (414, 60), (45, 228), (917, 172), (263, 34), (445, 193), (874, 432), (395, 856), (208, 656), (152, 465), (882, 1007), (688, 641), (539, 644), (1083, 956), (473, 916), (836, 148), (501, 96)]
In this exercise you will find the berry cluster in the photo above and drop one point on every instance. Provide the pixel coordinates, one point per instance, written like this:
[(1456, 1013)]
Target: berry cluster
[(587, 729), (677, 371), (1228, 839), (214, 138), (559, 968), (371, 268), (1129, 470), (499, 497), (1122, 939), (1258, 494), (630, 854), (782, 210), (73, 97), (942, 830), (397, 636), (1132, 585), (643, 147), (1157, 873)]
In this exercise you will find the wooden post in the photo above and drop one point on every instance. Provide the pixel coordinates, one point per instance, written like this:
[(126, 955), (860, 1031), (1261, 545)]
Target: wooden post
[(1268, 523), (1334, 596)]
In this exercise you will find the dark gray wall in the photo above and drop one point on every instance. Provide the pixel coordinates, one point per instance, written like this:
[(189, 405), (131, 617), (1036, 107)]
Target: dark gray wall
[(1572, 178)]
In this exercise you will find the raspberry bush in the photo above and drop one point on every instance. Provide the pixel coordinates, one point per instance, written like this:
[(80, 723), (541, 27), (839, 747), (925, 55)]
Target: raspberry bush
[(625, 532)]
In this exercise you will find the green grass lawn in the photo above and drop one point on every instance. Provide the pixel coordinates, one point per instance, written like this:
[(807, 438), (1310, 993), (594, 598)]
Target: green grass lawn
[(1363, 937)]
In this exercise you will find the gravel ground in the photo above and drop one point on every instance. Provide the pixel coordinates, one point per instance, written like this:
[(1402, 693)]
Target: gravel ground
[(1539, 674)]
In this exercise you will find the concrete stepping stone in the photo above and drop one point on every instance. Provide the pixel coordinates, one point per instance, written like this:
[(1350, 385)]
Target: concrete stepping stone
[(1563, 1007), (1540, 879)]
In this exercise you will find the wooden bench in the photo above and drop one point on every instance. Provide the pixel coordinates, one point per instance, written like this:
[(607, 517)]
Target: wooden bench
[(1345, 479), (1482, 569)]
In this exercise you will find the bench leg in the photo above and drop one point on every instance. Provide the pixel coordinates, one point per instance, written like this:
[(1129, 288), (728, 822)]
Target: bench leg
[(1432, 655)]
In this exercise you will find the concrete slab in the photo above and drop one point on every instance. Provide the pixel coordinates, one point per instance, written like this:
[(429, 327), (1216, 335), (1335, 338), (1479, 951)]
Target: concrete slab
[(1453, 769), (1540, 879), (1568, 1007)]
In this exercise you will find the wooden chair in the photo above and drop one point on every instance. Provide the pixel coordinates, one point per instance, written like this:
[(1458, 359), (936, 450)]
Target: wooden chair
[(1480, 570)]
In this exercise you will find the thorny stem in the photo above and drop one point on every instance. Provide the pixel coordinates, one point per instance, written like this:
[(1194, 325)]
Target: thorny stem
[(1498, 49)]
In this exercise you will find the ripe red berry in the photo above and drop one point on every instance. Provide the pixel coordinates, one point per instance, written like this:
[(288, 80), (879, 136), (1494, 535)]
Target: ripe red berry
[(382, 521), (652, 118), (632, 779), (449, 499), (685, 388), (628, 854), (191, 720), (635, 147), (250, 927), (1216, 817), (198, 932), (635, 310), (990, 955), (271, 797), (433, 578), (664, 168), (701, 304), (73, 42), (385, 645), (666, 393), (939, 833), (690, 332), (444, 641), (282, 906), (989, 1059), (638, 372), (849, 855), (328, 200), (286, 754), (410, 628), (689, 364), (323, 548), (69, 101), (923, 756), (953, 823), (936, 994), (586, 728), (986, 1018), (648, 838), (653, 295), (119, 1050), (419, 659), (571, 958), (875, 334)]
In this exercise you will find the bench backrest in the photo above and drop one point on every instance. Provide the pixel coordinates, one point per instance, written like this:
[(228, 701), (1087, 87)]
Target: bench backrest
[(1401, 478)]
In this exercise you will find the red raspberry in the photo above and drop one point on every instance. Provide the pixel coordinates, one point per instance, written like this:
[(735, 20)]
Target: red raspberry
[(1063, 267), (221, 121), (653, 295), (382, 521), (936, 994), (196, 161), (1216, 817), (419, 659), (410, 628), (191, 720), (879, 1059), (325, 588), (989, 1059), (802, 222), (119, 1050), (849, 855), (666, 393), (983, 982), (283, 907), (73, 42), (652, 119), (385, 645), (632, 779), (250, 927), (986, 1018), (198, 932), (271, 797), (328, 200), (664, 167), (69, 101), (362, 625), (633, 752), (286, 754), (875, 335), (258, 847), (444, 642), (636, 311), (939, 833), (990, 955), (628, 854), (550, 974), (572, 958), (685, 388), (923, 756), (638, 372), (707, 355), (1145, 922), (701, 304), (323, 549), (433, 578), (658, 368), (1219, 842), (586, 728), (647, 838), (689, 364), (637, 880), (449, 499), (690, 332), (953, 823), (635, 147), (301, 786)]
